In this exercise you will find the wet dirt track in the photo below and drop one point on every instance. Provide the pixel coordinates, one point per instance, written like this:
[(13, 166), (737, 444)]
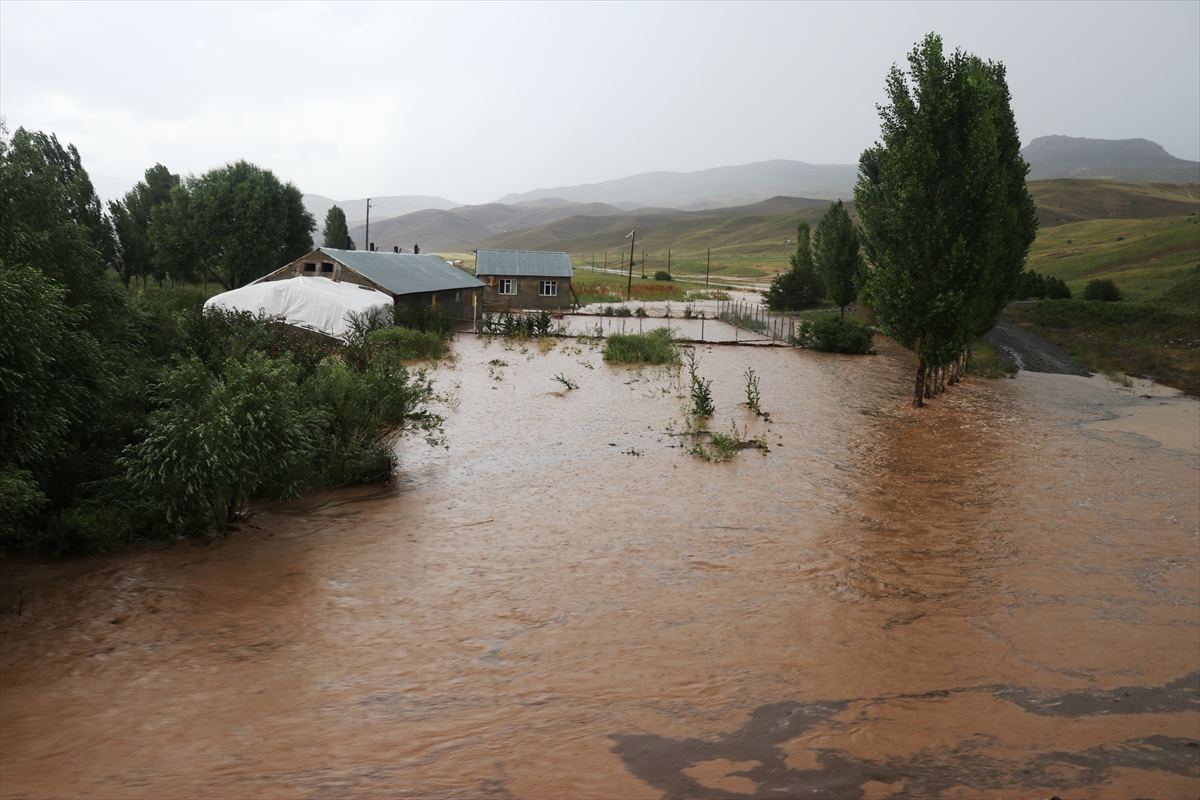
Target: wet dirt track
[(996, 596)]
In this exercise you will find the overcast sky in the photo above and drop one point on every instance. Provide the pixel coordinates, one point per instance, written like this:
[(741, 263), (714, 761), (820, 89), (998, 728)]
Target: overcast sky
[(472, 101)]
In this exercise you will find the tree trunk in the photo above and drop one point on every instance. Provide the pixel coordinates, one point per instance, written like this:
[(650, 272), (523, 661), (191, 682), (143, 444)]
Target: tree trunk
[(919, 391)]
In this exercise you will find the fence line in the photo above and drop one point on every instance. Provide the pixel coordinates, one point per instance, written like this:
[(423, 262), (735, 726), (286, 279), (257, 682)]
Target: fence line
[(756, 318)]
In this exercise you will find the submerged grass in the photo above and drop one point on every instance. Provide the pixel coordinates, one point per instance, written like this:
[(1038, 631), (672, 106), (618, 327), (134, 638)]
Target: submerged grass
[(1140, 339), (654, 347), (986, 361)]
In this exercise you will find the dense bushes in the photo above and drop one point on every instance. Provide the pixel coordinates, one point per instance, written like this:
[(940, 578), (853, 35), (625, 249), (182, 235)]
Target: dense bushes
[(662, 275), (654, 347), (1033, 285), (830, 333), (1102, 290)]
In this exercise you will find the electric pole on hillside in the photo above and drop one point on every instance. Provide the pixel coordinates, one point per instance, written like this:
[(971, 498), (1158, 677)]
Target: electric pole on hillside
[(707, 267), (367, 234), (629, 284)]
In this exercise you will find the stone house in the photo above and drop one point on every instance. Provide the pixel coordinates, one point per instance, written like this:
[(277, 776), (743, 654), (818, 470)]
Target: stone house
[(525, 279)]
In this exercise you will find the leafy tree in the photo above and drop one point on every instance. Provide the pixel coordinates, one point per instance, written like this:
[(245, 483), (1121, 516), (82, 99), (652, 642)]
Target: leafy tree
[(131, 220), (944, 205), (838, 256), (51, 217), (337, 232), (799, 287), (236, 222)]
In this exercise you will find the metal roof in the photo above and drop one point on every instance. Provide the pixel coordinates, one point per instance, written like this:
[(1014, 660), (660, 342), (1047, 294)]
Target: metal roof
[(535, 263), (402, 273)]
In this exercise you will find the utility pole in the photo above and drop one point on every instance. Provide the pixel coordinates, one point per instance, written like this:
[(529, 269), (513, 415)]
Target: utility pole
[(643, 263), (629, 284), (367, 235), (606, 261), (668, 262), (707, 267)]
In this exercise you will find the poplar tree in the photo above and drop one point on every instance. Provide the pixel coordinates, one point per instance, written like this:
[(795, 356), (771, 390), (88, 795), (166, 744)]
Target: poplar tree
[(799, 287), (944, 206), (838, 256), (336, 232)]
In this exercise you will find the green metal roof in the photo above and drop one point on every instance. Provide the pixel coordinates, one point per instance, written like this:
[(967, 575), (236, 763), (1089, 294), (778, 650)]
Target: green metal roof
[(402, 273), (534, 263)]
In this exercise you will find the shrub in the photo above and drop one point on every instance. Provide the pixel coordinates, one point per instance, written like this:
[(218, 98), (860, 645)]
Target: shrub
[(1057, 289), (1102, 290), (829, 333), (662, 276), (426, 320), (217, 440), (408, 343), (654, 347)]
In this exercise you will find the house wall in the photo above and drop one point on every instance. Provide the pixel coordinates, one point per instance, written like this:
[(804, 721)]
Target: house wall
[(527, 295), (455, 302)]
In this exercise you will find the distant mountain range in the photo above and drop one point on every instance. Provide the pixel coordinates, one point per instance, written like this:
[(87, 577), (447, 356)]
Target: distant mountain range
[(720, 187), (381, 207), (1128, 160), (532, 224), (572, 214)]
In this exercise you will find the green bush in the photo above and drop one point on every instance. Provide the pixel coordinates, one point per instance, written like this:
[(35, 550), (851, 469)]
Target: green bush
[(218, 439), (662, 275), (408, 343), (829, 333), (426, 320), (1034, 286), (1102, 290), (654, 347)]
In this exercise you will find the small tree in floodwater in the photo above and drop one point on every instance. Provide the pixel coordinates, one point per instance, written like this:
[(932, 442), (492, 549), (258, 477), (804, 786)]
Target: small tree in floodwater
[(947, 217)]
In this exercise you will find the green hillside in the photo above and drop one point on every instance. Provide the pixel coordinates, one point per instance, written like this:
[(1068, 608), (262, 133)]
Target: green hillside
[(1144, 257), (1063, 201)]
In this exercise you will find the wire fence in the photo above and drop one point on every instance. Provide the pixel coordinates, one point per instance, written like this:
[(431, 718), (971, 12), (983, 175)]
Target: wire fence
[(758, 320)]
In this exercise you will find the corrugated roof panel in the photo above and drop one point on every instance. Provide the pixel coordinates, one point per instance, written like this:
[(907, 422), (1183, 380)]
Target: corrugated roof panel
[(404, 273), (535, 263)]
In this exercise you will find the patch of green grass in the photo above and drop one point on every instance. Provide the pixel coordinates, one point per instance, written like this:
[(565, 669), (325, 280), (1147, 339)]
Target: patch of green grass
[(654, 347), (1143, 257), (1140, 339), (986, 361)]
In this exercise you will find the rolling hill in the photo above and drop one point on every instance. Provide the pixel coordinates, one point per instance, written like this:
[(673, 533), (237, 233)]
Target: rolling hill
[(1066, 200), (381, 207), (711, 188), (1126, 160)]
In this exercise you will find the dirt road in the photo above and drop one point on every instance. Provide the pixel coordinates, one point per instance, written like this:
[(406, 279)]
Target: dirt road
[(1033, 353)]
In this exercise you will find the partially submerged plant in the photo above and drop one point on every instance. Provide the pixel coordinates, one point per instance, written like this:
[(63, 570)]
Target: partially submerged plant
[(753, 397), (566, 382), (702, 403)]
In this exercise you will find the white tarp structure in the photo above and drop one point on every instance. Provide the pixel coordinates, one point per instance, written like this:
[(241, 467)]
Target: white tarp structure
[(319, 304)]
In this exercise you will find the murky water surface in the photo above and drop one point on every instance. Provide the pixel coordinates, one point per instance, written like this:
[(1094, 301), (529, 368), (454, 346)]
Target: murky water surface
[(996, 596)]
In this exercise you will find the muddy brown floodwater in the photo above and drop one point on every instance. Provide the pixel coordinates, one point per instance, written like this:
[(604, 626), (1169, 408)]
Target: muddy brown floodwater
[(996, 596)]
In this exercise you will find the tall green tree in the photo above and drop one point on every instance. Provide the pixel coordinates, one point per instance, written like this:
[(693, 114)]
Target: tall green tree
[(337, 233), (944, 206), (838, 256), (131, 219), (236, 223), (799, 287)]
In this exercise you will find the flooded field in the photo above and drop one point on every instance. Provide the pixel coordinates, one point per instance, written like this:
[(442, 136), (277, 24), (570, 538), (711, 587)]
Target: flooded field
[(996, 596)]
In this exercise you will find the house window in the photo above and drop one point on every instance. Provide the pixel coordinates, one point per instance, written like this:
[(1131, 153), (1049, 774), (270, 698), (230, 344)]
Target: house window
[(326, 268), (309, 267), (507, 286), (548, 288)]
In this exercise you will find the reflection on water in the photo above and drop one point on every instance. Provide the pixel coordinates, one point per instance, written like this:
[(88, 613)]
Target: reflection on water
[(987, 597)]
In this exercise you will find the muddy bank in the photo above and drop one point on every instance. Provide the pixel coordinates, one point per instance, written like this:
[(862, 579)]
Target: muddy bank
[(991, 597)]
